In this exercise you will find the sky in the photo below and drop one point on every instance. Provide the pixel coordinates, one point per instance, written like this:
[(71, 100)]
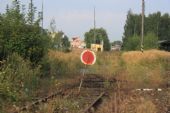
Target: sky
[(75, 17)]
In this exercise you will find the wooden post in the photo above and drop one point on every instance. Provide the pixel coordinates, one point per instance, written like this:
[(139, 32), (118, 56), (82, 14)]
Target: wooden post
[(142, 29)]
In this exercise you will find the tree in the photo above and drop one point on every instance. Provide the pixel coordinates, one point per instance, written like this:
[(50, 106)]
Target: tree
[(18, 35), (60, 41), (116, 43), (133, 25), (31, 13), (164, 27), (101, 35), (157, 27), (65, 42), (16, 75), (151, 41), (133, 43), (153, 23)]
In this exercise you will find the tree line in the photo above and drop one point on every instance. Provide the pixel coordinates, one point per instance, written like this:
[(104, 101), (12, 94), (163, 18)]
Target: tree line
[(156, 28)]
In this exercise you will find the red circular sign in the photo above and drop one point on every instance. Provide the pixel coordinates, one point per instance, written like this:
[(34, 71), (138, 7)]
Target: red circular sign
[(88, 57)]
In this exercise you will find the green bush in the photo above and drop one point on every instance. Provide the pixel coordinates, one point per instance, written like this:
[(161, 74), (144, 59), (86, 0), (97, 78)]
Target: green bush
[(133, 43), (17, 78)]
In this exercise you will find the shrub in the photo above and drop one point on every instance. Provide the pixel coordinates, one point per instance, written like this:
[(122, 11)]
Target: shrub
[(17, 78)]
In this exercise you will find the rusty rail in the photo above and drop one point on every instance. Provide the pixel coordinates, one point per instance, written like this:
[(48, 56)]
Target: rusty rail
[(94, 104)]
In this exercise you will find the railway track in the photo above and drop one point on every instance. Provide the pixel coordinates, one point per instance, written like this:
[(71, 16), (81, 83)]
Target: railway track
[(28, 107), (94, 104), (94, 90)]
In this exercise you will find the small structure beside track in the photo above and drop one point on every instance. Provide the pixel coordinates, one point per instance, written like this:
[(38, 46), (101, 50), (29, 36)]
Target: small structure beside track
[(164, 45)]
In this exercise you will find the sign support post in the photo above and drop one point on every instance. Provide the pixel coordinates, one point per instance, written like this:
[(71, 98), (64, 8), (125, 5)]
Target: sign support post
[(87, 58), (82, 77)]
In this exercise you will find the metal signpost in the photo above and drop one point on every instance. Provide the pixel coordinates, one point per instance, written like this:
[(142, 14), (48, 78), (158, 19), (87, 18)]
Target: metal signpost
[(87, 58)]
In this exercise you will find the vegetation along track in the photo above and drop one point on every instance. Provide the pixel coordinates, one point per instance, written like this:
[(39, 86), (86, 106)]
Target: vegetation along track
[(95, 89)]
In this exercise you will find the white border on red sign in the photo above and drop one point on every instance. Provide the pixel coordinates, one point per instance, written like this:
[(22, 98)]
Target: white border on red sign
[(82, 57)]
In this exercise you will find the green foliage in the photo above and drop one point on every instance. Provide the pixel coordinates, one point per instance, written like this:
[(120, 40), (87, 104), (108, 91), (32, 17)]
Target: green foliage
[(150, 41), (17, 78), (132, 26), (25, 37), (116, 43), (156, 28), (59, 64), (133, 43), (164, 27), (100, 35), (65, 42), (60, 41), (31, 13), (60, 67), (152, 23)]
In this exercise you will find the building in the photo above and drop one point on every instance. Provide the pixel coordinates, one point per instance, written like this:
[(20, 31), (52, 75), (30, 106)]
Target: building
[(97, 47), (116, 47), (76, 42)]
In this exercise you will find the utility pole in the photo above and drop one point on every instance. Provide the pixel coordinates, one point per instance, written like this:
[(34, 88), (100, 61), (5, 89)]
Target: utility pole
[(42, 24), (94, 25), (142, 30)]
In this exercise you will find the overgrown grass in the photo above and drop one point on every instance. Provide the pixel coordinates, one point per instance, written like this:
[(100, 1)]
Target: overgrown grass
[(61, 64), (145, 69), (60, 105), (128, 104), (107, 64), (18, 80)]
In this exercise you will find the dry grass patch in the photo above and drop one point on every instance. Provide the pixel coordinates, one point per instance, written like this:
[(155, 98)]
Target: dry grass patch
[(134, 57), (107, 64), (128, 104), (145, 69)]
